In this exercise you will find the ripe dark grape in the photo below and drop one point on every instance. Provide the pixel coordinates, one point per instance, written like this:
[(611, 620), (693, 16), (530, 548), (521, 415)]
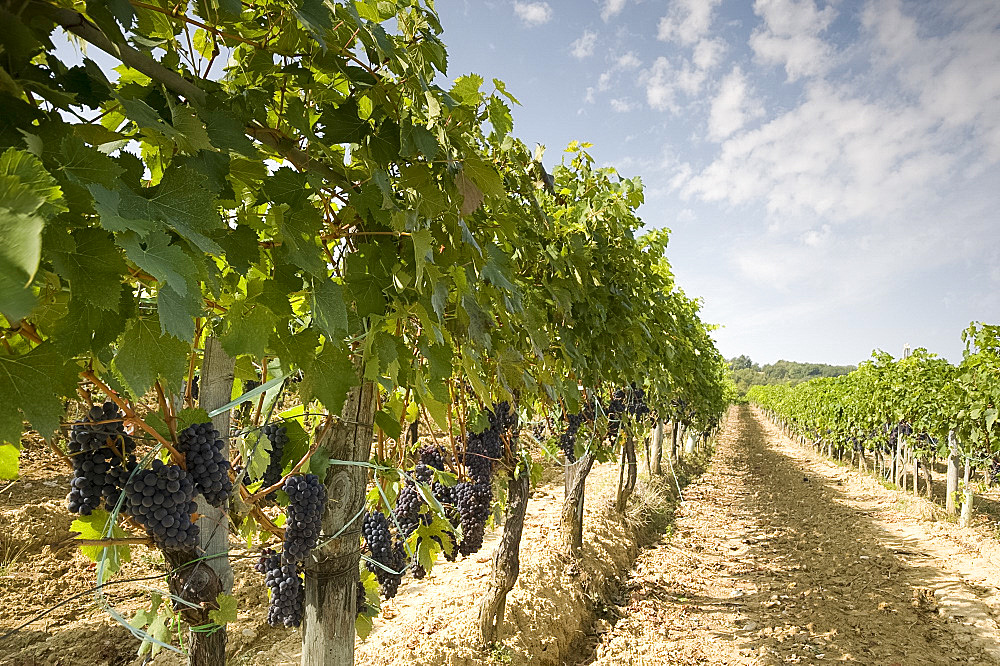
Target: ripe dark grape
[(304, 513), (287, 593), (97, 446), (103, 428), (386, 550), (207, 466), (161, 498), (277, 434), (407, 511), (567, 440), (473, 503), (361, 602)]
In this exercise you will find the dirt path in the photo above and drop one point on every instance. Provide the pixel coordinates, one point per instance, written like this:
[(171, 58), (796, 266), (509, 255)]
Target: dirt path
[(780, 556)]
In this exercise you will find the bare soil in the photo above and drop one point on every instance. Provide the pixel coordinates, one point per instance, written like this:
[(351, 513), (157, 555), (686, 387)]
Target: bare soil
[(777, 556), (782, 556)]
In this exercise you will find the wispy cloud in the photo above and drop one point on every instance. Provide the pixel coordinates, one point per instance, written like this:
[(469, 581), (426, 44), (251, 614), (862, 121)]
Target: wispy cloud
[(611, 8), (583, 46), (621, 105), (732, 107), (791, 36), (533, 13), (686, 21)]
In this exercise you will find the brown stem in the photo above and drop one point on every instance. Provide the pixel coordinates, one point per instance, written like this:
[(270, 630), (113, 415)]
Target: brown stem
[(125, 541), (131, 417)]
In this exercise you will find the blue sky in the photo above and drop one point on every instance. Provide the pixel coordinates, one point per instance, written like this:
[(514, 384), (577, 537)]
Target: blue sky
[(830, 170)]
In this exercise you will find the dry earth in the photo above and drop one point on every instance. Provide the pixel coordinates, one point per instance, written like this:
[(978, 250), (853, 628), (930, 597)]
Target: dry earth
[(781, 556), (777, 556)]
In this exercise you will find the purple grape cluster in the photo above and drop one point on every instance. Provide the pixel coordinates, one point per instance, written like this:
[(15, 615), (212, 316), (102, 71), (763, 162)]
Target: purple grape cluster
[(473, 502), (202, 447), (277, 434), (98, 447), (384, 549), (304, 515), (161, 498), (567, 439), (287, 593)]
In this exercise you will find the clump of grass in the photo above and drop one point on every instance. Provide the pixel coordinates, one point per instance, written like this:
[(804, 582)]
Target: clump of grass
[(10, 552)]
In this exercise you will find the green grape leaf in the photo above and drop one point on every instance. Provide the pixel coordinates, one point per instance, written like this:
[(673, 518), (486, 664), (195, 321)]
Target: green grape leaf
[(241, 247), (9, 458), (177, 313), (248, 325), (330, 376), (389, 425), (329, 309), (145, 354), (20, 254), (166, 262), (226, 612), (94, 268), (23, 178), (35, 383), (98, 525), (85, 165)]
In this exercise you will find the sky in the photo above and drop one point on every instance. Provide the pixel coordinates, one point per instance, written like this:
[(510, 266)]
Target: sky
[(830, 171)]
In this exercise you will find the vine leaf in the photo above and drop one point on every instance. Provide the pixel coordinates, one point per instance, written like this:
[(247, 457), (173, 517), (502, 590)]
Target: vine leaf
[(96, 526), (93, 265), (157, 256), (36, 383), (329, 377), (329, 309), (20, 254), (226, 612), (145, 354), (8, 462)]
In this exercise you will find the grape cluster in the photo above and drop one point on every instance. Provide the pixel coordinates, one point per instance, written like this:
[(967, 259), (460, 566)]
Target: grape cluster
[(432, 458), (361, 601), (287, 594), (385, 550), (202, 448), (473, 502), (161, 499), (98, 446), (902, 428), (304, 515), (567, 440), (277, 434), (407, 510)]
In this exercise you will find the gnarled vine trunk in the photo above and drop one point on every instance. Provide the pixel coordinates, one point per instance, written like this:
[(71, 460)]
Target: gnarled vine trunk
[(506, 560), (571, 521), (627, 479), (331, 572)]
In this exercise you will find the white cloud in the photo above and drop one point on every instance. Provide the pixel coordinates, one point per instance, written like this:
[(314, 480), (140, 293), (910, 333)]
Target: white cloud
[(708, 53), (954, 75), (790, 36), (622, 105), (660, 86), (686, 21), (612, 8), (732, 107), (627, 61), (583, 47), (533, 13)]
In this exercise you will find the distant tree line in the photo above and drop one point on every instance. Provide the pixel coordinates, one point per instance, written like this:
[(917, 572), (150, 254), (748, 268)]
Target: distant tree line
[(746, 373)]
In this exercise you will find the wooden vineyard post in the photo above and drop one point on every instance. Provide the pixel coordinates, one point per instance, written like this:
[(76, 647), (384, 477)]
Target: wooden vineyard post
[(952, 480), (215, 390), (571, 520), (674, 432), (656, 450), (916, 472), (968, 496), (506, 560), (928, 490), (331, 571)]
